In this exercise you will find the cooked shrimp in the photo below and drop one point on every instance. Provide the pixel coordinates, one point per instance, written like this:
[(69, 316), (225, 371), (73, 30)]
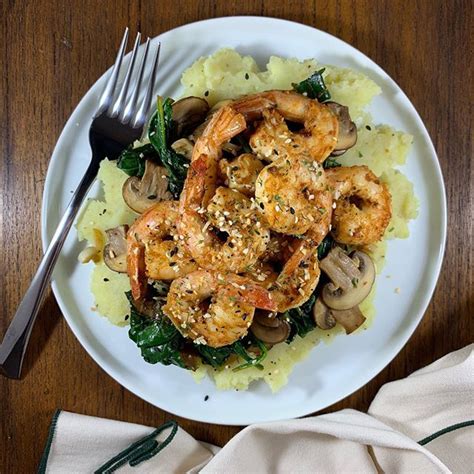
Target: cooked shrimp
[(278, 248), (363, 205), (241, 173), (262, 273), (272, 138), (293, 194), (234, 214), (154, 249), (214, 309), (228, 211), (299, 277)]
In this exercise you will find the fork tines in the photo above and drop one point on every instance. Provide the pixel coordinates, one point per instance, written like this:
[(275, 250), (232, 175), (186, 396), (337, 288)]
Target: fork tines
[(126, 110)]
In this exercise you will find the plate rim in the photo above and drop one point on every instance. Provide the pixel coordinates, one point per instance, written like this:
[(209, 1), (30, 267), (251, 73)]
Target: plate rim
[(401, 341)]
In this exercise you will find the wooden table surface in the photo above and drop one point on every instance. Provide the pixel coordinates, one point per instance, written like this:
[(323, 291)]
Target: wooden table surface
[(52, 51)]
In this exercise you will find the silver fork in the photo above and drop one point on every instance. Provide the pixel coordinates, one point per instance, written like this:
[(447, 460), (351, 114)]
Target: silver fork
[(118, 122)]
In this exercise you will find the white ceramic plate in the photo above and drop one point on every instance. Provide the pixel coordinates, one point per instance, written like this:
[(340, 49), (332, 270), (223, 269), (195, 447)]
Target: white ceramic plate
[(331, 372)]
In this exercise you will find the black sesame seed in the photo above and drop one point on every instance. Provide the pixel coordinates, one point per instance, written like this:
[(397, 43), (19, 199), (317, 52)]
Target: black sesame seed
[(106, 279), (126, 317), (246, 77), (206, 93), (368, 127), (206, 398)]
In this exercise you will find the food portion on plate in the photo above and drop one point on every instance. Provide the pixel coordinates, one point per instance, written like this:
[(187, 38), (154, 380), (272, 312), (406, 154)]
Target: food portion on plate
[(251, 221)]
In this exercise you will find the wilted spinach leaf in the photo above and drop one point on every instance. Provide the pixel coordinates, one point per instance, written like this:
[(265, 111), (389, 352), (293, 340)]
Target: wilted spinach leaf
[(158, 339), (331, 163), (214, 356), (314, 87), (218, 356), (240, 140), (325, 246), (132, 160), (250, 361), (159, 134), (301, 319)]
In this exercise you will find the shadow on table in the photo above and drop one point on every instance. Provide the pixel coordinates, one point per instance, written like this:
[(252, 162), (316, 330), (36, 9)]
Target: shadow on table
[(47, 320)]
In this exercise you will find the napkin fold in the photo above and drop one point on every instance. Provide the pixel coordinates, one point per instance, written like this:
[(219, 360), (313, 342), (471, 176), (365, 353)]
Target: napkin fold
[(424, 423)]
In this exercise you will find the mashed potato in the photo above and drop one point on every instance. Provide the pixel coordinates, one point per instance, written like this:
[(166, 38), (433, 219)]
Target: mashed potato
[(97, 216), (226, 74)]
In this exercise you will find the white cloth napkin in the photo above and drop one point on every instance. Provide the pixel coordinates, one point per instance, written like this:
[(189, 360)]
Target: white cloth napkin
[(424, 423)]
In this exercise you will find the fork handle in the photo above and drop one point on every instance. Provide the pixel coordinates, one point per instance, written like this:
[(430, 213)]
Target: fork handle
[(13, 347)]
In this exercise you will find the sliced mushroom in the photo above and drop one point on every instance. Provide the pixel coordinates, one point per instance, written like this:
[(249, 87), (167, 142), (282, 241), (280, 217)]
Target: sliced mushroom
[(326, 318), (323, 316), (115, 251), (352, 278), (198, 131), (347, 136), (152, 187), (266, 318), (271, 334), (350, 319), (188, 113), (231, 148), (184, 147)]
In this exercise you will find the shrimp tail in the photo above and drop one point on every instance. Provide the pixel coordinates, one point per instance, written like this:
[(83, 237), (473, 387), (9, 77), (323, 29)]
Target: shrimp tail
[(136, 270), (252, 106), (224, 125), (193, 193), (260, 298), (249, 292)]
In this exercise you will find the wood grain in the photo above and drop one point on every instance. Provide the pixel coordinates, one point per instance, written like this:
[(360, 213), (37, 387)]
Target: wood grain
[(52, 51)]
